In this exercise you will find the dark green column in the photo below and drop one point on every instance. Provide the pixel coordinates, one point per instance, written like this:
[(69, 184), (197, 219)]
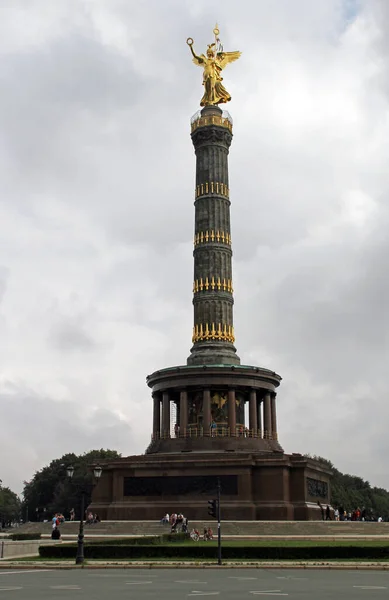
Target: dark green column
[(213, 330)]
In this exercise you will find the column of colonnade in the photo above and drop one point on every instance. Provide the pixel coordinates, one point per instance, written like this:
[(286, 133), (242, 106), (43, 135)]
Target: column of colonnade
[(262, 413)]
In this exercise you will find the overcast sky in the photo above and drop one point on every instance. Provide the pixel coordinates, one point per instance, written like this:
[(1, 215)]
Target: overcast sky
[(96, 218)]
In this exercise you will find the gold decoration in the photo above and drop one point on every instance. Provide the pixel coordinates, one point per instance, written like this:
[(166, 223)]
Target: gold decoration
[(213, 63), (203, 237), (201, 284), (220, 121), (219, 332), (216, 187)]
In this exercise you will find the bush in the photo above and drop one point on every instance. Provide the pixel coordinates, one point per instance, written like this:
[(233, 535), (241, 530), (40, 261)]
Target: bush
[(24, 536), (203, 551), (150, 540), (174, 537)]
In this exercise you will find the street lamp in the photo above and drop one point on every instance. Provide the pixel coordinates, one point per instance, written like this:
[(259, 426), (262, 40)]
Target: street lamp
[(80, 542)]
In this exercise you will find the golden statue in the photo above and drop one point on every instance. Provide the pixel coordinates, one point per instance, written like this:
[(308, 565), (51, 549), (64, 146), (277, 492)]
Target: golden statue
[(213, 64)]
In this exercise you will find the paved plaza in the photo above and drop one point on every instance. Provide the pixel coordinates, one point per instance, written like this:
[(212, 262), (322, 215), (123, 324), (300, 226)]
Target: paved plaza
[(174, 584)]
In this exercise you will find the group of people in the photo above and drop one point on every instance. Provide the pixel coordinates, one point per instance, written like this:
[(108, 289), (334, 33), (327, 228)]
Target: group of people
[(340, 514), (58, 519), (356, 515), (179, 523), (176, 521), (91, 518)]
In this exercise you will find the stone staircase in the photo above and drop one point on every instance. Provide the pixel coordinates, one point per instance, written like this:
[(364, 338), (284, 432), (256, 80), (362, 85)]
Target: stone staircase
[(244, 529)]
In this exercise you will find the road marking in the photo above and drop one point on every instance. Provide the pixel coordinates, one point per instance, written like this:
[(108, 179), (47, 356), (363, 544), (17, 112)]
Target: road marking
[(270, 593), (10, 589), (17, 572), (243, 578), (189, 581), (137, 582), (198, 593), (295, 578), (370, 587), (65, 587)]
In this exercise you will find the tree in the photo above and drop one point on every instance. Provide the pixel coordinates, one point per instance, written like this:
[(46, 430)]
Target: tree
[(349, 492), (9, 506), (51, 491)]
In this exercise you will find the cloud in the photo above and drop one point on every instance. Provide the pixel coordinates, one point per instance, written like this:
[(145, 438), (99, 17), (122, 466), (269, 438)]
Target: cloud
[(96, 218)]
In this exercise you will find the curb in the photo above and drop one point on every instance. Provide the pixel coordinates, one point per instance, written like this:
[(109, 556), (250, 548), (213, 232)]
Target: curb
[(169, 565)]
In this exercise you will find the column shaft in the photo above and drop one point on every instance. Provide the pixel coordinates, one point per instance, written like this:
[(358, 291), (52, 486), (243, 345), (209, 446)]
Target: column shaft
[(267, 415), (183, 412), (165, 414), (207, 412), (253, 417), (156, 416), (232, 412), (259, 416), (274, 417)]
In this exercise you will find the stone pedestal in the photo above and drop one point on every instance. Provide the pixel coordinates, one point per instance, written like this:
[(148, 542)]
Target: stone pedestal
[(254, 486)]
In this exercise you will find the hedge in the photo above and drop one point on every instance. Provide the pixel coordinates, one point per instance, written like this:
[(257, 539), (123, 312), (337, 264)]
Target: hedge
[(24, 536), (149, 540), (199, 552)]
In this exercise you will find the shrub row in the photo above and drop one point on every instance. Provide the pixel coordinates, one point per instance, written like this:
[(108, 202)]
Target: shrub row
[(155, 540), (203, 551), (24, 536)]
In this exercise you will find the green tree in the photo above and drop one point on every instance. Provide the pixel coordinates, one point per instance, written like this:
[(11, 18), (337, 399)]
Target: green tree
[(349, 492), (51, 491), (9, 506)]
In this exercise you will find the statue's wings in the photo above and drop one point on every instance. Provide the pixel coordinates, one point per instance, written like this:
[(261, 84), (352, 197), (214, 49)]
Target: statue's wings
[(224, 58), (199, 60)]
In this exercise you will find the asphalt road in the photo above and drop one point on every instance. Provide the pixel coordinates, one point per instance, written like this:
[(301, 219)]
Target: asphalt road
[(174, 584)]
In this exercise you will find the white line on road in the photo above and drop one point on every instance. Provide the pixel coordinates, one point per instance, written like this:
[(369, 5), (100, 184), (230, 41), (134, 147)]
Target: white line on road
[(242, 578), (370, 587), (137, 582), (10, 589), (20, 572), (65, 587), (189, 581), (198, 593), (269, 594)]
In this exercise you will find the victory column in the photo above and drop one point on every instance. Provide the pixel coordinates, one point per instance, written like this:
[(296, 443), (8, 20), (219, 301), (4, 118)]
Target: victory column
[(201, 433)]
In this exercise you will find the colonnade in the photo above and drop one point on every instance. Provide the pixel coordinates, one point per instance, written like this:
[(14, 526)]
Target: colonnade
[(262, 414)]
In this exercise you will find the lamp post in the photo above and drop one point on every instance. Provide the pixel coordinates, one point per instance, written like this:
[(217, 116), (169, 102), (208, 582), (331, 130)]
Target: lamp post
[(80, 542)]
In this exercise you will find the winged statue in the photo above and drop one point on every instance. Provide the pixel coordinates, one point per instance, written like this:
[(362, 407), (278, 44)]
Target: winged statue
[(213, 64)]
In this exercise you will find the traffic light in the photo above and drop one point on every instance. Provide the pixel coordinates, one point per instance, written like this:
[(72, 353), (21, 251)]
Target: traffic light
[(212, 508)]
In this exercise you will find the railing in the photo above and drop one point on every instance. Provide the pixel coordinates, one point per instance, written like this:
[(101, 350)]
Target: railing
[(223, 120), (216, 432)]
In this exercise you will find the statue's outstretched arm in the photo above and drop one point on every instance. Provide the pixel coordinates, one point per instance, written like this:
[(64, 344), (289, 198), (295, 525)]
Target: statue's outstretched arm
[(196, 59)]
